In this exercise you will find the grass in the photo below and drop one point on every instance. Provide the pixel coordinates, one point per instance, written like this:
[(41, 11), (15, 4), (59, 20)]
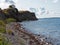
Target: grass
[(2, 26), (4, 40), (2, 23), (9, 32), (2, 30), (9, 20)]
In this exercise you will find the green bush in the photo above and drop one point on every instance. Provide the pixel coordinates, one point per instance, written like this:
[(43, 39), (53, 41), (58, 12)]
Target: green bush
[(2, 30), (5, 11), (2, 23), (9, 20), (9, 32)]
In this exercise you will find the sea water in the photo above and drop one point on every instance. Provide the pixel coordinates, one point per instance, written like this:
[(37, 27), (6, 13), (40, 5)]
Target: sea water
[(50, 27)]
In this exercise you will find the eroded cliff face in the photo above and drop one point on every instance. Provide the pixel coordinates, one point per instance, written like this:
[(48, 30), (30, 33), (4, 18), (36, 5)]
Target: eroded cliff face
[(18, 15)]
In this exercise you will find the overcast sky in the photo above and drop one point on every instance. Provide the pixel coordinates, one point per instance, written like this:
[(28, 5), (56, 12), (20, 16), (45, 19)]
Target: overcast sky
[(42, 8)]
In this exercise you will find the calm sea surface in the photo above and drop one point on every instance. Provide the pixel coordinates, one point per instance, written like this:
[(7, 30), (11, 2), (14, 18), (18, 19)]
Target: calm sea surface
[(45, 26)]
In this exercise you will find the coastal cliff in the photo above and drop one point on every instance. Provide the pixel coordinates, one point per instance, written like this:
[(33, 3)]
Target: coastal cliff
[(19, 16)]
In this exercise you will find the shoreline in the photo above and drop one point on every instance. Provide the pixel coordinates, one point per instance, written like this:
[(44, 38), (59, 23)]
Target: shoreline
[(32, 39)]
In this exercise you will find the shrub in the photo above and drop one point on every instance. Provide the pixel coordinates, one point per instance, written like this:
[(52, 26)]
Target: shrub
[(2, 30), (6, 11), (9, 20), (9, 31), (2, 23)]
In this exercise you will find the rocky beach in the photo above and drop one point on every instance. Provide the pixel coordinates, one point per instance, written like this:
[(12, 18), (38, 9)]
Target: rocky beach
[(19, 33)]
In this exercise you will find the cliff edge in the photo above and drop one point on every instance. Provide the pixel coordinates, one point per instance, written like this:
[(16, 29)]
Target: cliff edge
[(19, 16)]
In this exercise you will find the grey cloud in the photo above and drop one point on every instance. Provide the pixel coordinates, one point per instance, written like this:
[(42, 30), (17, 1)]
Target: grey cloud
[(10, 1)]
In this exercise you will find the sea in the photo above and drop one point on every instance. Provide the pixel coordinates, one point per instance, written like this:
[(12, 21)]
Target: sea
[(49, 27)]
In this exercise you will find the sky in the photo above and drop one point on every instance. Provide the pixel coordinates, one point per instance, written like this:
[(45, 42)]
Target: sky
[(42, 8)]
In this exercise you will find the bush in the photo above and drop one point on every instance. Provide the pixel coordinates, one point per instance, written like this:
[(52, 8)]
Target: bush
[(2, 23), (9, 32), (2, 30), (9, 20), (6, 11)]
